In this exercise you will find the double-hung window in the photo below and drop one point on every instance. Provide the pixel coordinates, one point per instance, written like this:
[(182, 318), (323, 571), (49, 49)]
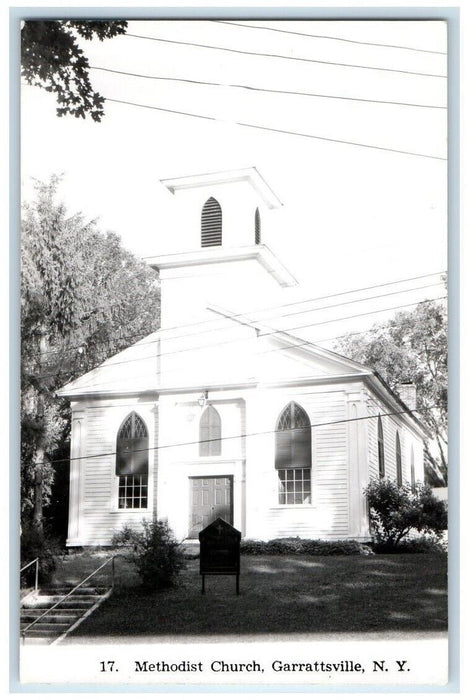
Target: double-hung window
[(132, 463), (293, 456)]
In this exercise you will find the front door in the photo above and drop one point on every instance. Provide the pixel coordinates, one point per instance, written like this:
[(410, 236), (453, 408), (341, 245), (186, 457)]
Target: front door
[(211, 498)]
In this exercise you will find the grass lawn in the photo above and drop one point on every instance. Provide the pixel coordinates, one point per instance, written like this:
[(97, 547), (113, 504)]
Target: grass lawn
[(283, 595)]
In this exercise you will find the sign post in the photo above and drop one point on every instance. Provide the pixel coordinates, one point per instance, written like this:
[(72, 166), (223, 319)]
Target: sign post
[(220, 551)]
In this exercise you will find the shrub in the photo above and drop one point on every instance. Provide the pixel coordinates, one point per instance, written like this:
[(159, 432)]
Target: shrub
[(154, 551), (415, 545), (296, 545), (253, 547), (396, 510)]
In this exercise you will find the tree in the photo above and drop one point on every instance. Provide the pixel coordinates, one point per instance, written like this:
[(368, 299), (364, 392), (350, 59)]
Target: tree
[(412, 347), (51, 58), (67, 328)]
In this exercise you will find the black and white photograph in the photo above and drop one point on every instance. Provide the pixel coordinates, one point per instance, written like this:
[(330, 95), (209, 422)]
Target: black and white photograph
[(234, 386)]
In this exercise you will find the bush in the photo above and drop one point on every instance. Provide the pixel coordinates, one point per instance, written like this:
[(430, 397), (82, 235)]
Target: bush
[(155, 552), (414, 545), (290, 545), (35, 544), (396, 510)]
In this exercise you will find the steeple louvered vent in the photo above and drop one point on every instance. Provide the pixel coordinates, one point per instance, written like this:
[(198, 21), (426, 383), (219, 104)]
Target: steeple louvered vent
[(211, 224), (257, 227)]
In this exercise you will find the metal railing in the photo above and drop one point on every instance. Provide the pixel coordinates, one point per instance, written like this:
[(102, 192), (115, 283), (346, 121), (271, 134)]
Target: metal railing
[(59, 602), (36, 577)]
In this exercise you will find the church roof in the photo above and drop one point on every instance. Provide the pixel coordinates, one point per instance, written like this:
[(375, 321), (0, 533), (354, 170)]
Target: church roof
[(171, 362)]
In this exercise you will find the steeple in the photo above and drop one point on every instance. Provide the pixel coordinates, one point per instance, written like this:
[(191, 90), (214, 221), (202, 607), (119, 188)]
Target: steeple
[(216, 253)]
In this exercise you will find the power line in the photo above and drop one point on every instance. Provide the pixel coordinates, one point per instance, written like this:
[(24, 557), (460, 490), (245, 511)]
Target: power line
[(240, 340), (265, 90), (242, 314), (273, 308), (286, 58), (287, 330), (277, 131), (292, 313), (235, 437), (333, 38)]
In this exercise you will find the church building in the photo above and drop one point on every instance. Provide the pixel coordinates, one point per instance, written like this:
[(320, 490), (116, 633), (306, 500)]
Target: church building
[(221, 414)]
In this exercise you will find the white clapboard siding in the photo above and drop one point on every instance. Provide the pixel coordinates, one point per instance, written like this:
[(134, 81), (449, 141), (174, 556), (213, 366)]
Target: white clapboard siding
[(327, 517), (100, 518), (390, 426), (154, 458)]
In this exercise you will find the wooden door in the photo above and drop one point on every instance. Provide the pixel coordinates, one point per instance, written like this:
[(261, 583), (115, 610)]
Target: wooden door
[(211, 498)]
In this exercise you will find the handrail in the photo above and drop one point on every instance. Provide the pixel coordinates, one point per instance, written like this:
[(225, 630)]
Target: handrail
[(70, 593), (36, 578), (26, 565)]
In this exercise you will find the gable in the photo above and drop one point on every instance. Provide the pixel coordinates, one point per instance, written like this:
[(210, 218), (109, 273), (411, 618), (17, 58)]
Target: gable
[(133, 370), (231, 354)]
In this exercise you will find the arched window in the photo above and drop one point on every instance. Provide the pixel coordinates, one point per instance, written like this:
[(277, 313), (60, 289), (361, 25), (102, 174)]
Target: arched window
[(211, 223), (398, 460), (210, 433), (257, 227), (132, 463), (381, 470), (412, 469), (293, 455)]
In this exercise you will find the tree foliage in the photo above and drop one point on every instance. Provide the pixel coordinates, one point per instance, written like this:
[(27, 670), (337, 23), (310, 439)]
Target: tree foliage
[(396, 510), (51, 58), (412, 347), (83, 298)]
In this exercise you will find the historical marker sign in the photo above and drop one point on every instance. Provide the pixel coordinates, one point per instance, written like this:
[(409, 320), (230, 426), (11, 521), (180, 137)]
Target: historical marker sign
[(219, 551)]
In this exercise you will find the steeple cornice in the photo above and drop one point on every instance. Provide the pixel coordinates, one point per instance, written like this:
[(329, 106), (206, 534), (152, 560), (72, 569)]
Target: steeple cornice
[(208, 256), (250, 175)]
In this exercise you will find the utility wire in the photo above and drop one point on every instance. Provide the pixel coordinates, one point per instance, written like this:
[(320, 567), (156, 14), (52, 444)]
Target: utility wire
[(236, 437), (277, 316), (323, 36), (286, 58), (264, 352), (240, 340), (265, 90), (275, 307), (277, 131), (263, 335)]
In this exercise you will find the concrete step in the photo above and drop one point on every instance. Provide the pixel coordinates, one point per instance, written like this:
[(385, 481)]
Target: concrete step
[(72, 601), (46, 628), (48, 634), (63, 590), (54, 616), (58, 621)]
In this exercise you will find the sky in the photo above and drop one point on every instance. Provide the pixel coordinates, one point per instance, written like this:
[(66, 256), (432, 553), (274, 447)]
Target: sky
[(353, 216)]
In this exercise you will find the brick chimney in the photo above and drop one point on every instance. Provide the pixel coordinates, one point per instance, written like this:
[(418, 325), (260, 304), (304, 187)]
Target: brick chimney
[(408, 393)]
